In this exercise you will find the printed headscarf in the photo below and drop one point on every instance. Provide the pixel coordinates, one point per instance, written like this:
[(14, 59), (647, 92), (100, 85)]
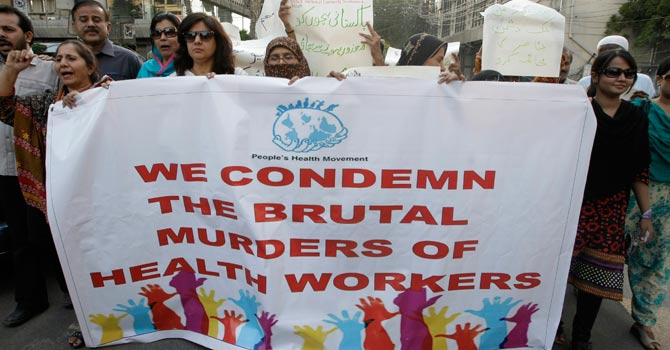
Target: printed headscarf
[(419, 48), (286, 70)]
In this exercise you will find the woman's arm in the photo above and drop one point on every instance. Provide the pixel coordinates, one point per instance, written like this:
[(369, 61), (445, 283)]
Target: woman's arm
[(284, 13), (16, 62), (641, 191)]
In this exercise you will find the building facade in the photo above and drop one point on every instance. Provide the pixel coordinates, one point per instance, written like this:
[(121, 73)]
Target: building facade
[(585, 24)]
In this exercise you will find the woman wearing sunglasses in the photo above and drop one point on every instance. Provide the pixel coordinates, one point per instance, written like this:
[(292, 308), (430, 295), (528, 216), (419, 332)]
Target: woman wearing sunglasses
[(204, 48), (164, 45), (649, 260), (619, 162)]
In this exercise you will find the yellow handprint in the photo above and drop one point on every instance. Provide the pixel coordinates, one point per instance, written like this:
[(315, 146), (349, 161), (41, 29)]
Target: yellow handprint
[(313, 338), (211, 306), (437, 324), (111, 330)]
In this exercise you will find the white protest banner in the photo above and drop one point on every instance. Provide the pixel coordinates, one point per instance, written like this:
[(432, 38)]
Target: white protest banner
[(522, 38), (327, 214), (419, 72), (328, 33)]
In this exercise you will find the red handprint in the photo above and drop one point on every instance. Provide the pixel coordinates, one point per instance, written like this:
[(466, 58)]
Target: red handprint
[(376, 337), (230, 322), (163, 317), (465, 336)]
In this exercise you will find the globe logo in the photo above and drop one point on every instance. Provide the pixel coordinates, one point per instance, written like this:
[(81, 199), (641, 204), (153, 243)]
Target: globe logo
[(307, 126)]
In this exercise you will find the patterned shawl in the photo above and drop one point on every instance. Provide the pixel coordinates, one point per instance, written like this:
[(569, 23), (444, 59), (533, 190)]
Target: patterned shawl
[(285, 70)]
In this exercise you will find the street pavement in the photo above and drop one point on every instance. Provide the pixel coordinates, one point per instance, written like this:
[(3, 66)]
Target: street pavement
[(49, 330)]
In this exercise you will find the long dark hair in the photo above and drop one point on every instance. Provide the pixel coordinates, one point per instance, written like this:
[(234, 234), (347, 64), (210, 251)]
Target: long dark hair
[(603, 60), (224, 61), (87, 55)]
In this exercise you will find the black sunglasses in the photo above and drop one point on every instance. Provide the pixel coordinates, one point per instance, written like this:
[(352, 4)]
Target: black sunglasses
[(204, 35), (170, 32), (614, 72)]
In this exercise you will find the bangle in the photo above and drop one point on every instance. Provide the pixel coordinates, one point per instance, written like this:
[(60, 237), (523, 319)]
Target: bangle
[(290, 31), (646, 215)]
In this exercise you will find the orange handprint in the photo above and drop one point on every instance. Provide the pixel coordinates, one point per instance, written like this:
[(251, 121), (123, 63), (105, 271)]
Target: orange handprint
[(465, 336), (230, 321), (163, 317), (437, 323), (313, 339), (111, 330), (376, 337)]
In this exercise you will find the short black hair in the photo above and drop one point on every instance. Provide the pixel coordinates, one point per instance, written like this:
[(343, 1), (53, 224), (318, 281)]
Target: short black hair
[(663, 67), (24, 21), (80, 3), (163, 16)]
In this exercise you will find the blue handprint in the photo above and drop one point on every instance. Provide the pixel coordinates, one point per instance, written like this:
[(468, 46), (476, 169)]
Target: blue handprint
[(493, 313), (351, 328), (141, 319), (251, 333)]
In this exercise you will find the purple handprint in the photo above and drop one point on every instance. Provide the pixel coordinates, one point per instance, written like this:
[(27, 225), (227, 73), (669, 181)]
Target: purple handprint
[(518, 336)]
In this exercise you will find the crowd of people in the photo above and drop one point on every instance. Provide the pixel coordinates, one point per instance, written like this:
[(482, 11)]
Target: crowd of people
[(631, 151)]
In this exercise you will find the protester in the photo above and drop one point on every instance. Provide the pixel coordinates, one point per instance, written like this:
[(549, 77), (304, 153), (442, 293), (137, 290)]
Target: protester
[(566, 62), (284, 59), (649, 258), (164, 44), (29, 232), (619, 161), (643, 86), (198, 54), (91, 22)]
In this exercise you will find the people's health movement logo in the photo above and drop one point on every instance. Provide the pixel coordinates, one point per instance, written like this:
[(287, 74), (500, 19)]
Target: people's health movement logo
[(307, 126)]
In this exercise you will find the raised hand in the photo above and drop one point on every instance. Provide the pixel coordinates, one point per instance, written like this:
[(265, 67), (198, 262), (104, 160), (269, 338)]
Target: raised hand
[(164, 318), (266, 321), (373, 40), (111, 330), (156, 294), (251, 333), (313, 339), (465, 336), (493, 313), (351, 328), (518, 336), (230, 321), (18, 60), (141, 318), (376, 337), (211, 306), (437, 324)]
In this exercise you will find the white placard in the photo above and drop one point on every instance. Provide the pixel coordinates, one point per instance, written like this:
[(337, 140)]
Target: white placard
[(522, 38)]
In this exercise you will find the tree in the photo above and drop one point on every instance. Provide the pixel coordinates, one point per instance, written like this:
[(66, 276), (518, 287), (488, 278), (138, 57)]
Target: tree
[(648, 21), (254, 7)]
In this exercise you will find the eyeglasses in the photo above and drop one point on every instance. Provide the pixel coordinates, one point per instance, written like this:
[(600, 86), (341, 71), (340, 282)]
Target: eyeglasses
[(614, 72), (204, 35), (170, 32), (288, 57)]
